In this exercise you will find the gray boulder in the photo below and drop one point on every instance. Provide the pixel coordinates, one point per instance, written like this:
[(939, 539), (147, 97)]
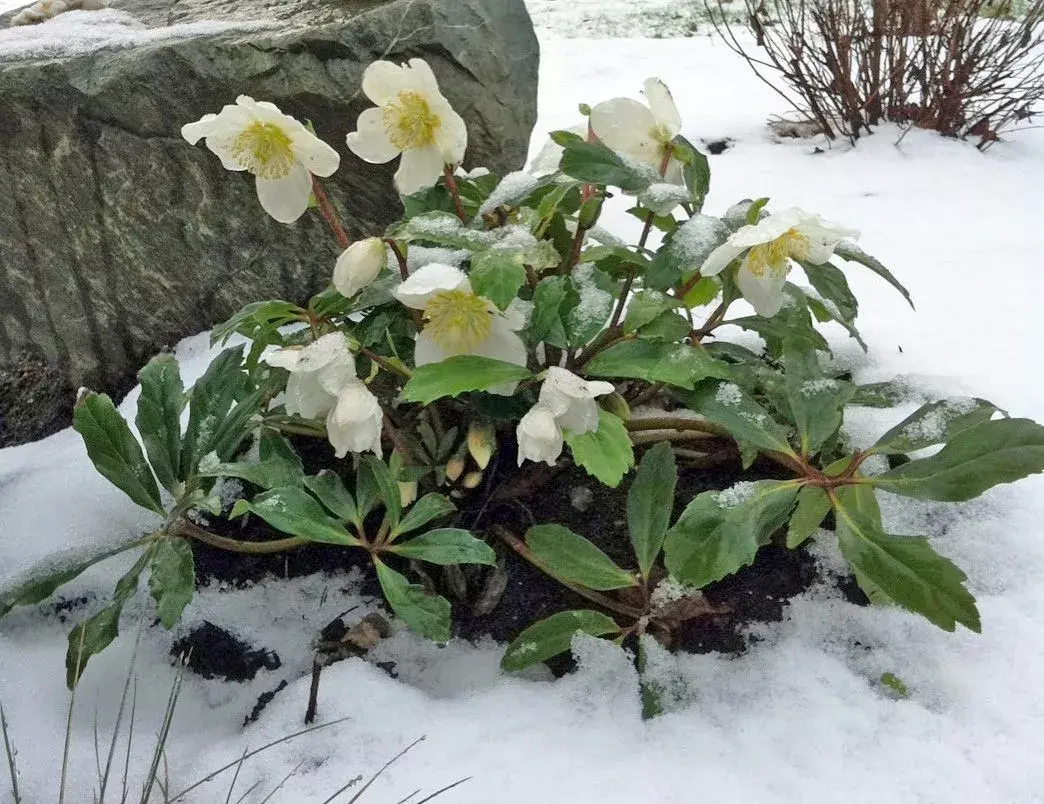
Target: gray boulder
[(117, 237)]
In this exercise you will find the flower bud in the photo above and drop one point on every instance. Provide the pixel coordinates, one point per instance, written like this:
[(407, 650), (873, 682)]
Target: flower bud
[(539, 436), (590, 211), (407, 492), (482, 442), (472, 480), (454, 468), (359, 265), (617, 405)]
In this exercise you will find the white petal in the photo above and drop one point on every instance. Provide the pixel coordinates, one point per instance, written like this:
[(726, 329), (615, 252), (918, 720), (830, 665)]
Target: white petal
[(314, 154), (328, 349), (194, 132), (503, 344), (370, 140), (719, 259), (662, 106), (580, 418), (600, 387), (355, 422), (765, 292), (286, 199), (452, 136), (382, 81), (419, 168), (287, 358), (359, 264), (426, 351), (539, 436), (416, 291), (624, 125), (423, 79), (306, 397), (764, 231)]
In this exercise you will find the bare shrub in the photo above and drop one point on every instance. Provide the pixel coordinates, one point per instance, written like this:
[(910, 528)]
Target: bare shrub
[(964, 68)]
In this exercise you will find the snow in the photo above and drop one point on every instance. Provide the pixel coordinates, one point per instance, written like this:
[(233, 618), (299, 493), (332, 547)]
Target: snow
[(802, 715), (728, 394)]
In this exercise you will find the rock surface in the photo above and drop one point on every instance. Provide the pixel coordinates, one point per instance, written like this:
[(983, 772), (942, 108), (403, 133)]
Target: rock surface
[(117, 237)]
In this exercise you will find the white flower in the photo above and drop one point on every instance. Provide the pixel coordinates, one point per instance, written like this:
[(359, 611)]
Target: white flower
[(549, 157), (255, 136), (539, 436), (359, 265), (412, 118), (767, 248), (571, 399), (459, 322), (318, 372), (354, 423), (639, 131)]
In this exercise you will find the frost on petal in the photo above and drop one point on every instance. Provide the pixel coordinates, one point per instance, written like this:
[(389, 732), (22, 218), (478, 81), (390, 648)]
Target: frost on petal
[(419, 168), (663, 108), (416, 291), (539, 436), (624, 125), (286, 199), (720, 258), (370, 140)]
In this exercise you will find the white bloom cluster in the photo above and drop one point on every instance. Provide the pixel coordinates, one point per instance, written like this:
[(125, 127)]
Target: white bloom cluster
[(566, 402)]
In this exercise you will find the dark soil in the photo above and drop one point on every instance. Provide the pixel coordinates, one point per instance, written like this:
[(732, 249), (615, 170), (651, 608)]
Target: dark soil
[(35, 400), (213, 652)]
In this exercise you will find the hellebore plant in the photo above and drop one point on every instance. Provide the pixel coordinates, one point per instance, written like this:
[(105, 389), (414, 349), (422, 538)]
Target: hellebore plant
[(496, 317)]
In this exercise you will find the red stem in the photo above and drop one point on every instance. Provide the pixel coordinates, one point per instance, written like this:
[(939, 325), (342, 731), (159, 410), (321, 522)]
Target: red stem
[(330, 214), (451, 185)]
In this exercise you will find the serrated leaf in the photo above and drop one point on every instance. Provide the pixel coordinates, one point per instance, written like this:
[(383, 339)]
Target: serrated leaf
[(172, 579), (330, 490), (685, 251), (830, 282), (159, 417), (646, 306), (813, 505), (259, 321), (457, 375), (975, 460), (703, 292), (671, 326), (293, 511), (650, 501), (696, 169), (553, 299), (677, 364), (607, 453), (595, 303), (934, 423), (428, 508), (211, 400), (734, 409), (553, 636), (443, 229), (852, 253), (720, 532), (428, 615), (881, 394), (446, 546), (907, 570), (497, 275), (592, 162), (816, 401), (279, 465), (570, 556), (114, 450)]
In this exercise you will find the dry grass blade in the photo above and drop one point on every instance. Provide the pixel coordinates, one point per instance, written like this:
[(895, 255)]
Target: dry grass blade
[(164, 732), (9, 752), (447, 788), (376, 776)]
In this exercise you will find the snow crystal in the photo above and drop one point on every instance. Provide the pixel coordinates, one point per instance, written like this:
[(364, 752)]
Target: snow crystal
[(695, 239), (228, 491), (932, 426), (595, 304), (663, 197), (581, 498), (818, 386), (419, 256), (512, 189), (643, 169), (736, 495), (728, 394), (670, 590), (512, 237)]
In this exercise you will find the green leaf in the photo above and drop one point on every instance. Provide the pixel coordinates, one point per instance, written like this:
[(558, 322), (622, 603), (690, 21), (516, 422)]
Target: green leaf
[(497, 275), (114, 450), (827, 311), (172, 579), (386, 486), (570, 556), (607, 453), (696, 169), (934, 423), (447, 546), (677, 364), (553, 299), (592, 162), (649, 504), (831, 284), (236, 425), (428, 508), (813, 505), (881, 394), (907, 570), (852, 253), (279, 465), (793, 322), (211, 400), (329, 489), (816, 401), (457, 375), (646, 306), (754, 210), (732, 407), (977, 459), (291, 510), (428, 615), (685, 251), (671, 326), (596, 296), (703, 292), (259, 321), (444, 229), (159, 417), (553, 636), (720, 532)]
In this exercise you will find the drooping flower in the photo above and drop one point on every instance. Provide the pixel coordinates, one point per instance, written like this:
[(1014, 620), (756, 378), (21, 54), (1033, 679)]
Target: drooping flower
[(642, 132), (359, 265), (571, 399), (281, 153), (318, 372), (355, 421), (457, 321), (412, 118), (539, 436), (768, 247)]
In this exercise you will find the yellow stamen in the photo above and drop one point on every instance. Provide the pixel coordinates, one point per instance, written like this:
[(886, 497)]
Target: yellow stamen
[(409, 121), (774, 255), (458, 320), (265, 149)]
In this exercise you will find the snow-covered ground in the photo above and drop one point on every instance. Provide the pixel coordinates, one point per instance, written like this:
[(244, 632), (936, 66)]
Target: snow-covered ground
[(801, 717)]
